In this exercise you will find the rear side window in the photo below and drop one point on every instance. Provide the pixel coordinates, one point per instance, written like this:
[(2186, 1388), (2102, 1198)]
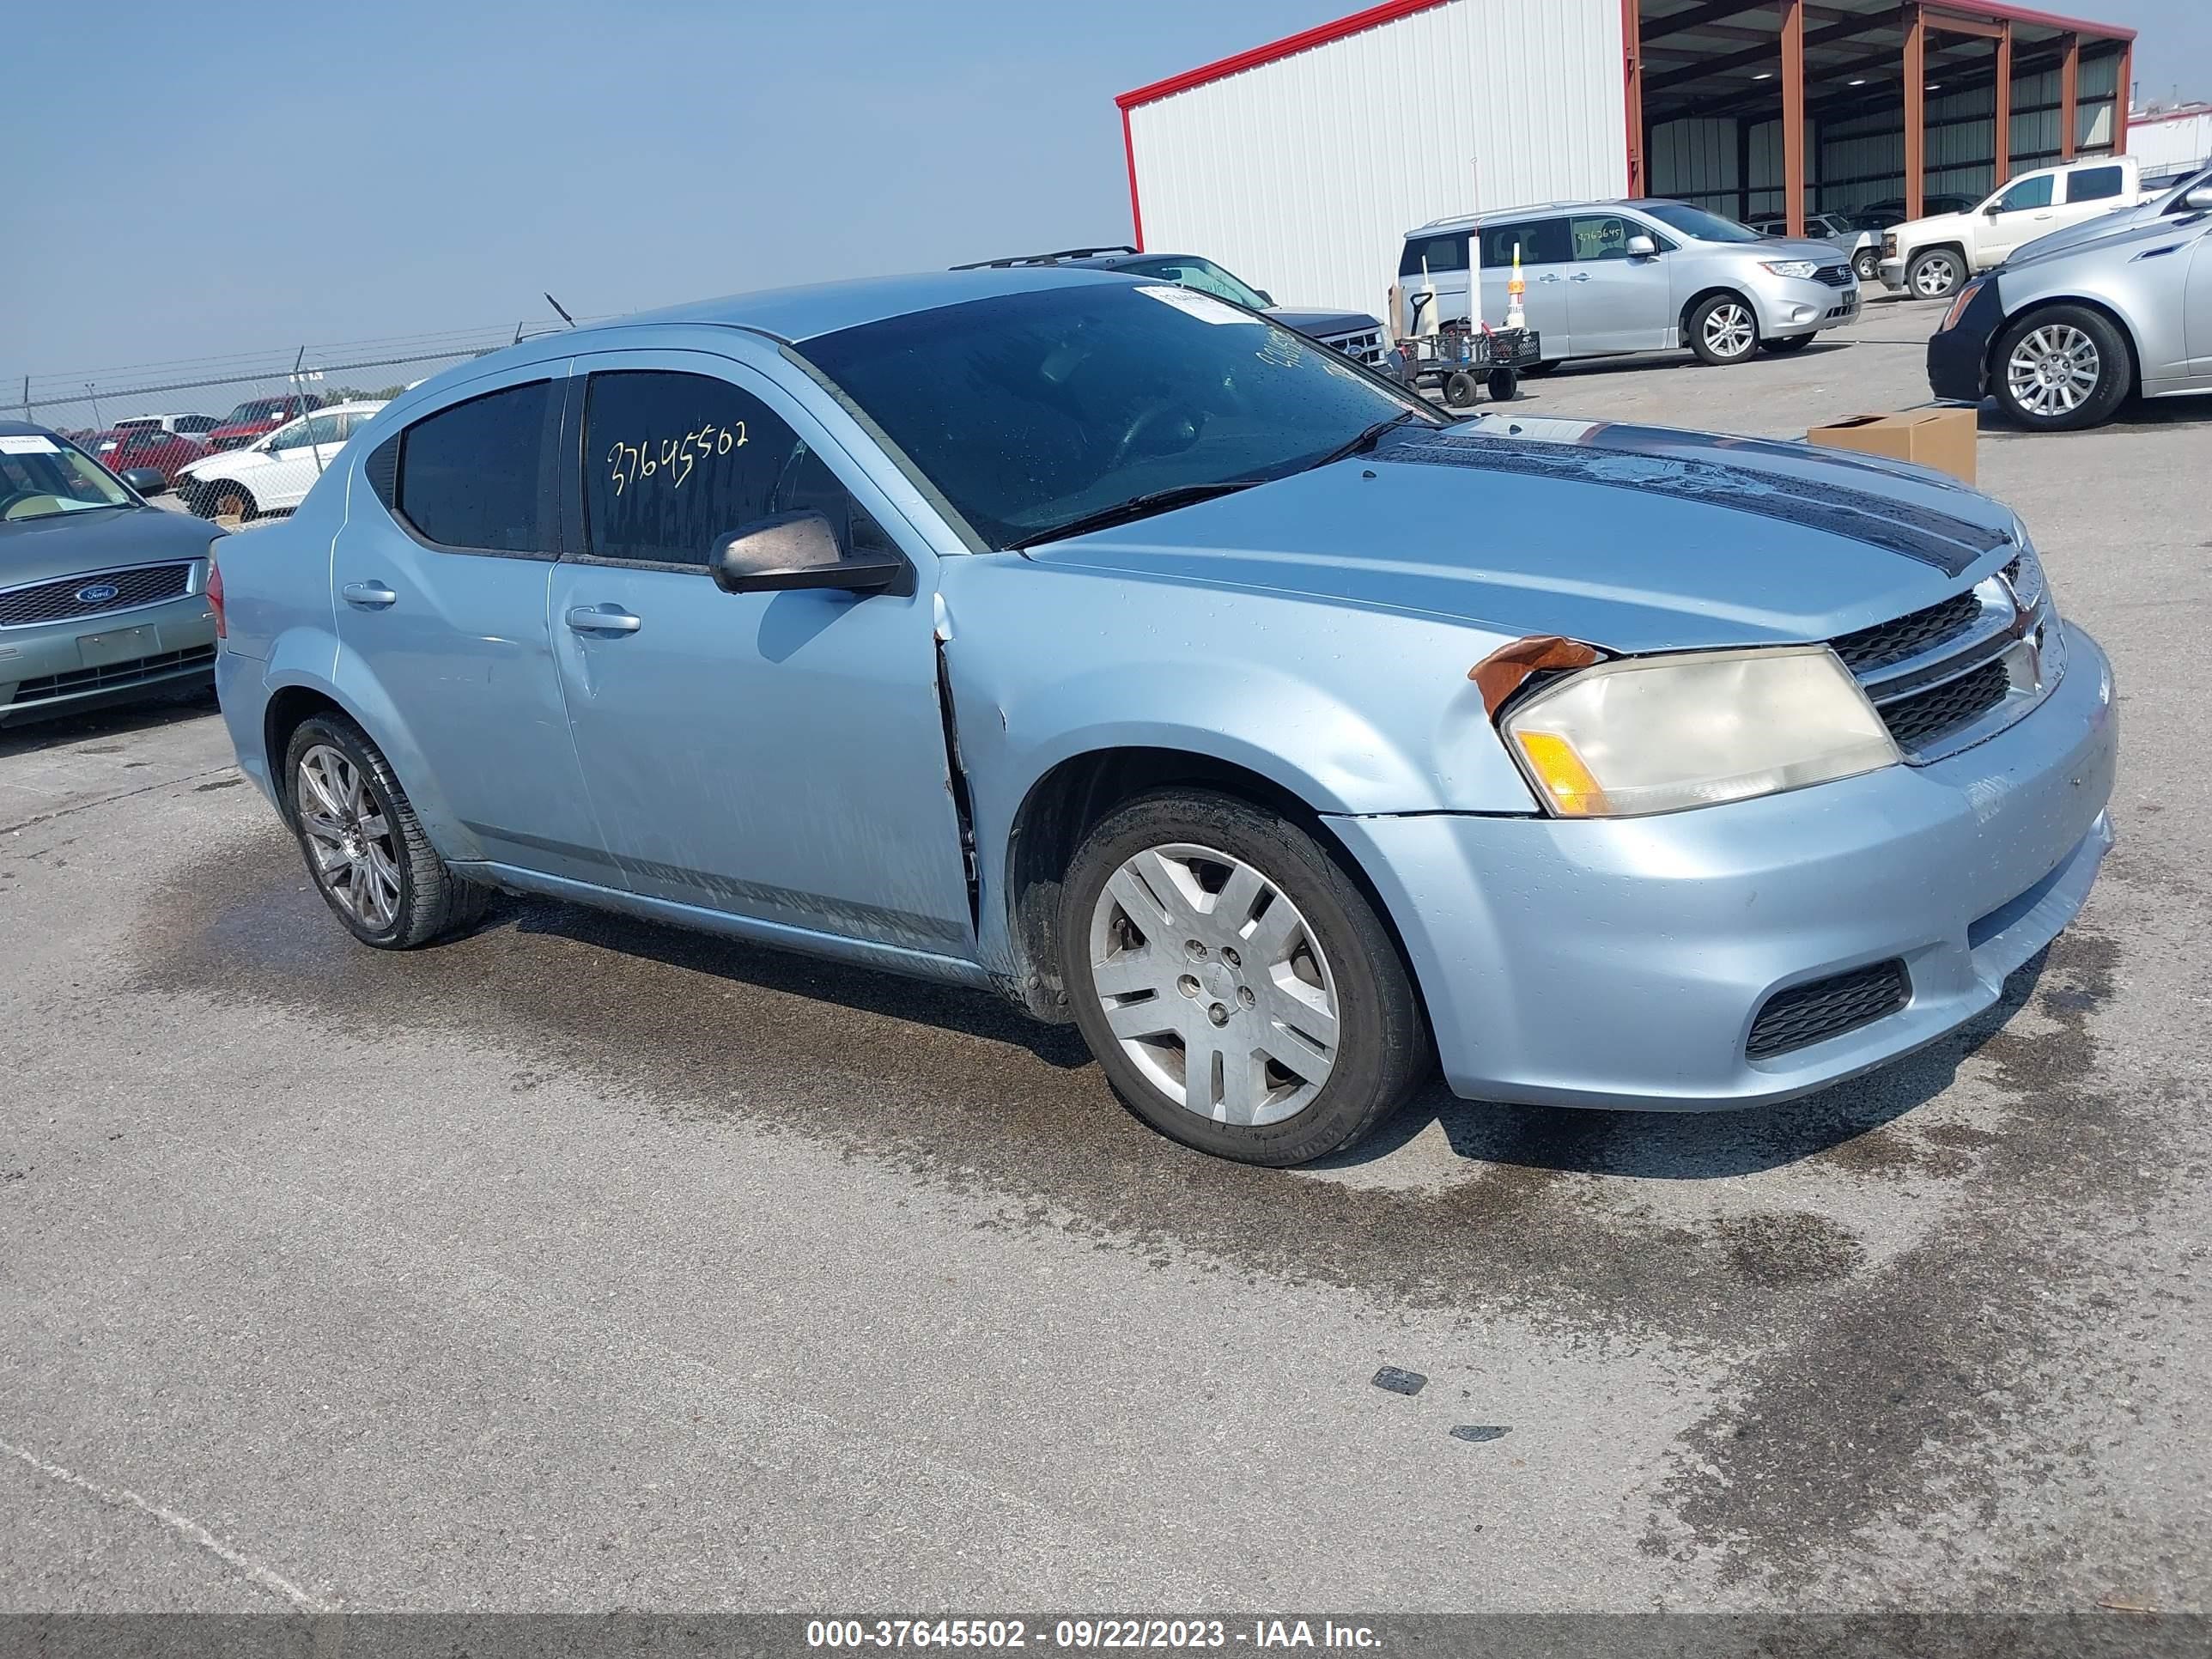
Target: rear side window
[(2093, 184), (473, 476), (1440, 252), (1542, 242), (673, 462)]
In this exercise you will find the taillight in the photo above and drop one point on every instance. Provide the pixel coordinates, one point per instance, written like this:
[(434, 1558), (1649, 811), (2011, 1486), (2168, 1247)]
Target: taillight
[(215, 595)]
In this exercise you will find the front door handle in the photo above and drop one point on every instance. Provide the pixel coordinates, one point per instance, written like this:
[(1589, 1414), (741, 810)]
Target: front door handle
[(1549, 277), (368, 596), (1579, 276), (602, 619)]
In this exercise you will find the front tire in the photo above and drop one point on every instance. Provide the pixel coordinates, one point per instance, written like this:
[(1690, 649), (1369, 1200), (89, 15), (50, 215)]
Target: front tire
[(1724, 329), (1239, 991), (363, 844), (2062, 368), (1935, 274), (224, 499), (1461, 390)]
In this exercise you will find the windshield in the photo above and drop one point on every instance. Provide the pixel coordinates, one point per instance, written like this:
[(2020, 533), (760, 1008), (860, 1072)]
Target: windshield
[(40, 477), (1698, 224), (1029, 411), (1203, 275)]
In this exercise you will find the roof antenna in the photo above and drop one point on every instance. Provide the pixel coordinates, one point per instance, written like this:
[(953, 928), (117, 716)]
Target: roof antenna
[(565, 316)]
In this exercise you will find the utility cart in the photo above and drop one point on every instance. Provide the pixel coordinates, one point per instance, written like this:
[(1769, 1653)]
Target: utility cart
[(1463, 359)]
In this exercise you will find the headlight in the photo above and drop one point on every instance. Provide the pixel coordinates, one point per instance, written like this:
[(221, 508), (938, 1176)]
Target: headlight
[(1959, 306), (1656, 734), (1791, 267)]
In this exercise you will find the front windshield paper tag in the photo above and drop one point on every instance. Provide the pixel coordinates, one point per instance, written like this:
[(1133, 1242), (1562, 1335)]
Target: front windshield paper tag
[(29, 444), (1204, 307)]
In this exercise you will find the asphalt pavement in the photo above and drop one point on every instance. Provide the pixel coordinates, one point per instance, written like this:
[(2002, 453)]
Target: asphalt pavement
[(579, 1263)]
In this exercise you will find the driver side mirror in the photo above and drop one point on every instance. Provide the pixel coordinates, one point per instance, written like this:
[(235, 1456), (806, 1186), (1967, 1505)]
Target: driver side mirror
[(2199, 200), (146, 480), (797, 550), (1994, 208), (1266, 299), (1641, 247)]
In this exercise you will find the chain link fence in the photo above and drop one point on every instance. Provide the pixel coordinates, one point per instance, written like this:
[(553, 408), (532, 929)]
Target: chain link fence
[(246, 436)]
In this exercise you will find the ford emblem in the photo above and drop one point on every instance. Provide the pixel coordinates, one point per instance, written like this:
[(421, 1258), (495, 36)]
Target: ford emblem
[(97, 594)]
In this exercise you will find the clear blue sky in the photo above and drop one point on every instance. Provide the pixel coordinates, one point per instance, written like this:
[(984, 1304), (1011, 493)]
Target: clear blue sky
[(213, 178)]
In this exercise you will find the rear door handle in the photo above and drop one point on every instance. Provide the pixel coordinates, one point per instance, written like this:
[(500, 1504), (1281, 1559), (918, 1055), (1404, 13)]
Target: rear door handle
[(602, 619), (1579, 276), (1549, 277), (368, 596)]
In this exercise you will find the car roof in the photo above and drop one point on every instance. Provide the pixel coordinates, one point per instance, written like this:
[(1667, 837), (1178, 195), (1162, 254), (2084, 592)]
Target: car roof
[(793, 314), (1499, 216), (25, 429)]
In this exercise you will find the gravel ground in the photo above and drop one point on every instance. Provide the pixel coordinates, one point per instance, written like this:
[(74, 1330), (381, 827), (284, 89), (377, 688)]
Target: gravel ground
[(580, 1263)]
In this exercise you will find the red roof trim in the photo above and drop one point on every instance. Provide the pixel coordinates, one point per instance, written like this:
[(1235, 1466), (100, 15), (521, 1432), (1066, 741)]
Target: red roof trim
[(1388, 12), (1993, 9)]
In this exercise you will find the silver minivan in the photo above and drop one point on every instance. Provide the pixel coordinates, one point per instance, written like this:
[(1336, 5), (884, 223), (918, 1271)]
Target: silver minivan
[(1608, 278)]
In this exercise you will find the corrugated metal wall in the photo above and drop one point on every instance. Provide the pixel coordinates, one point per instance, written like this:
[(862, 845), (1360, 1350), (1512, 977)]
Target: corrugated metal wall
[(1858, 162), (2172, 141), (1304, 174)]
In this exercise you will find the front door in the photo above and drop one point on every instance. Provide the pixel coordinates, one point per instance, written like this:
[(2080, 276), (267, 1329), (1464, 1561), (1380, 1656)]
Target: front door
[(2022, 211), (2196, 308), (441, 572), (1620, 302), (776, 756)]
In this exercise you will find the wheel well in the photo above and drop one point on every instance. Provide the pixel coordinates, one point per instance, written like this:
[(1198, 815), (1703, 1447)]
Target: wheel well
[(1700, 297), (1957, 248), (289, 709), (1062, 806), (2055, 302)]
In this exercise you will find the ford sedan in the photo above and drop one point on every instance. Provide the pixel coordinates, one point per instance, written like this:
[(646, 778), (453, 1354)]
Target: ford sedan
[(1103, 644)]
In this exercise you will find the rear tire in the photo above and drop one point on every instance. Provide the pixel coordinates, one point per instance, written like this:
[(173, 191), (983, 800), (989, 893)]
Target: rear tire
[(1538, 371), (222, 499), (1866, 265), (364, 845), (1724, 329), (2060, 368), (1173, 946), (1935, 274)]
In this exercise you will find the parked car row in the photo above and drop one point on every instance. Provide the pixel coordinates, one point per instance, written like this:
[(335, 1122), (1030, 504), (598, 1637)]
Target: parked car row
[(1930, 258)]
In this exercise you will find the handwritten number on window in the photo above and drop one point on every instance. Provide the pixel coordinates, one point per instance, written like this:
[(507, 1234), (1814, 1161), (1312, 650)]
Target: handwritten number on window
[(670, 459)]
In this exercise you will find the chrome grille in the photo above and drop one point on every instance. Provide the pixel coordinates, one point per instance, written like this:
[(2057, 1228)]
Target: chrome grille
[(133, 672), (59, 600), (1835, 275), (1962, 669), (1366, 347)]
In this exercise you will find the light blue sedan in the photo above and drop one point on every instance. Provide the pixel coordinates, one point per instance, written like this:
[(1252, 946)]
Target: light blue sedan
[(1103, 644)]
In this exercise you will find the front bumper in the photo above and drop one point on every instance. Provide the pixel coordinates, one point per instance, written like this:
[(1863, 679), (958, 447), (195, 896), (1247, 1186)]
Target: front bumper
[(1622, 963), (1959, 357), (1893, 273), (101, 661), (1789, 305)]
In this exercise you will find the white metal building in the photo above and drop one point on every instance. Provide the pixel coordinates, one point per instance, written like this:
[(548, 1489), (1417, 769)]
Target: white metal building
[(2164, 139), (1301, 164)]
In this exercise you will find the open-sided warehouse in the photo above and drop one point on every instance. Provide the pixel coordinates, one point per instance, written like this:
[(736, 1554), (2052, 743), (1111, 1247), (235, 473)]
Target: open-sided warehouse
[(1301, 163)]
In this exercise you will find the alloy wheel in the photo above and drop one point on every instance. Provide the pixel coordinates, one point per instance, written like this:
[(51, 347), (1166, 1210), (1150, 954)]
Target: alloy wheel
[(1214, 984), (1730, 330), (2054, 370), (350, 837), (1934, 277)]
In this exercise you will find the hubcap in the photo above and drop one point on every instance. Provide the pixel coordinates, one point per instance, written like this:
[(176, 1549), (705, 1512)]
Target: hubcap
[(1935, 278), (1730, 330), (2054, 370), (356, 856), (1214, 985)]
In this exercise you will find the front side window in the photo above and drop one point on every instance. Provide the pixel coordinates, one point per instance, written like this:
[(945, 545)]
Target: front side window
[(40, 479), (1433, 254), (2027, 193), (473, 476), (1603, 236), (1697, 224), (2093, 184), (1203, 275), (1031, 411), (674, 462)]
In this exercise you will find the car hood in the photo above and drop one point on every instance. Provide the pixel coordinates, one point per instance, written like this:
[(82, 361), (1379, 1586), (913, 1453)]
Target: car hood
[(1936, 227), (68, 545), (1322, 324), (1790, 248), (1632, 537), (224, 463)]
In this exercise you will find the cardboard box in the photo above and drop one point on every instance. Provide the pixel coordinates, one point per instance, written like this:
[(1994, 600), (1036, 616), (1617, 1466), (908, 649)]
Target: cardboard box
[(1941, 438)]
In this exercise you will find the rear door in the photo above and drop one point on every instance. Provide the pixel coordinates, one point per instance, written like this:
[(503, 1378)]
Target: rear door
[(2092, 191), (1546, 256), (776, 755), (441, 573), (2197, 311), (1617, 302)]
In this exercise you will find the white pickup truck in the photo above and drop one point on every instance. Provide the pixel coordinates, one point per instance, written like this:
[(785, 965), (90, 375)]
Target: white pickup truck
[(1929, 259)]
